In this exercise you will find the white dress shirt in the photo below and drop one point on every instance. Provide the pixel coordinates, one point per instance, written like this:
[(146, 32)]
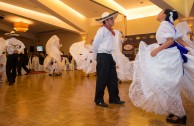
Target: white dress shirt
[(103, 41), (14, 44)]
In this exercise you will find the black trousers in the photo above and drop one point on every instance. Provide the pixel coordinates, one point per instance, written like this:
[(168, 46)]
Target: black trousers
[(106, 76), (20, 66), (11, 65)]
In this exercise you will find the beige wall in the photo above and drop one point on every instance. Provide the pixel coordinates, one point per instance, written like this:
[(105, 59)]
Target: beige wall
[(66, 38), (93, 29), (131, 27), (142, 25)]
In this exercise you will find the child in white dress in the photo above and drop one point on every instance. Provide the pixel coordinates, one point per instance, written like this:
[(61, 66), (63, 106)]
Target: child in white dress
[(159, 72)]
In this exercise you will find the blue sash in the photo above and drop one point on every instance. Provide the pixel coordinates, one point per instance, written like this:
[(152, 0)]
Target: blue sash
[(182, 50)]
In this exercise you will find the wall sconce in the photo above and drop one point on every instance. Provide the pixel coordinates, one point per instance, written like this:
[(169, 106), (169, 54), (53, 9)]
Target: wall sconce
[(21, 26), (191, 27)]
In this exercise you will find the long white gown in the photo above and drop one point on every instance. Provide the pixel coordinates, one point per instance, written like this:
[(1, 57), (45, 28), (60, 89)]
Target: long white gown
[(83, 55), (157, 81), (124, 66), (90, 61), (53, 62), (2, 56), (187, 86)]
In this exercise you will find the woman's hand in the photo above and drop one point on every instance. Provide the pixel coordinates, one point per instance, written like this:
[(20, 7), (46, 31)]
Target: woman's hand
[(165, 45), (154, 52)]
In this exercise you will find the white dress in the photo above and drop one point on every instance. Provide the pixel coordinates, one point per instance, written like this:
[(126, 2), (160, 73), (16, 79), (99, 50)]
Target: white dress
[(53, 62), (157, 80), (188, 80), (90, 61), (124, 66), (2, 56), (84, 57)]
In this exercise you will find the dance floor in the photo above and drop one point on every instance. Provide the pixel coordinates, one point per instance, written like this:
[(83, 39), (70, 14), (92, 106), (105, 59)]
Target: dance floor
[(68, 100)]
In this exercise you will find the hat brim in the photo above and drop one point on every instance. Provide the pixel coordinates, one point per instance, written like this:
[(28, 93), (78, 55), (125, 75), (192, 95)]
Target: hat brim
[(112, 15), (11, 34)]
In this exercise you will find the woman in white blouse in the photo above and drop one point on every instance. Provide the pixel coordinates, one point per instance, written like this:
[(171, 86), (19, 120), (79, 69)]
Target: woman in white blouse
[(158, 72)]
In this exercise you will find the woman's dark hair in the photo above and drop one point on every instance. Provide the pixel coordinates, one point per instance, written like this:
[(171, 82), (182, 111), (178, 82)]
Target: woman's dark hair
[(167, 12)]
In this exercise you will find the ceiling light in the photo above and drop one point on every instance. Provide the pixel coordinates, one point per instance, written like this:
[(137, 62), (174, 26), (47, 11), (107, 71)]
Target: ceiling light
[(21, 26)]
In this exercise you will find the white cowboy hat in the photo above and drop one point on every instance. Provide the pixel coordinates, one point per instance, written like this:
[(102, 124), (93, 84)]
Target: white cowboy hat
[(12, 33), (107, 15)]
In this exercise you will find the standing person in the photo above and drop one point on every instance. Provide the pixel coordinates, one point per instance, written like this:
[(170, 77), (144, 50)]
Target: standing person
[(161, 70), (14, 48), (53, 61), (82, 52), (2, 57), (106, 67), (23, 61)]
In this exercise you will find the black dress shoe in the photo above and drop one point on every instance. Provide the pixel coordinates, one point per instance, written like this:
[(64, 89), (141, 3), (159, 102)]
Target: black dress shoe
[(117, 102), (170, 115), (102, 104), (178, 120)]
